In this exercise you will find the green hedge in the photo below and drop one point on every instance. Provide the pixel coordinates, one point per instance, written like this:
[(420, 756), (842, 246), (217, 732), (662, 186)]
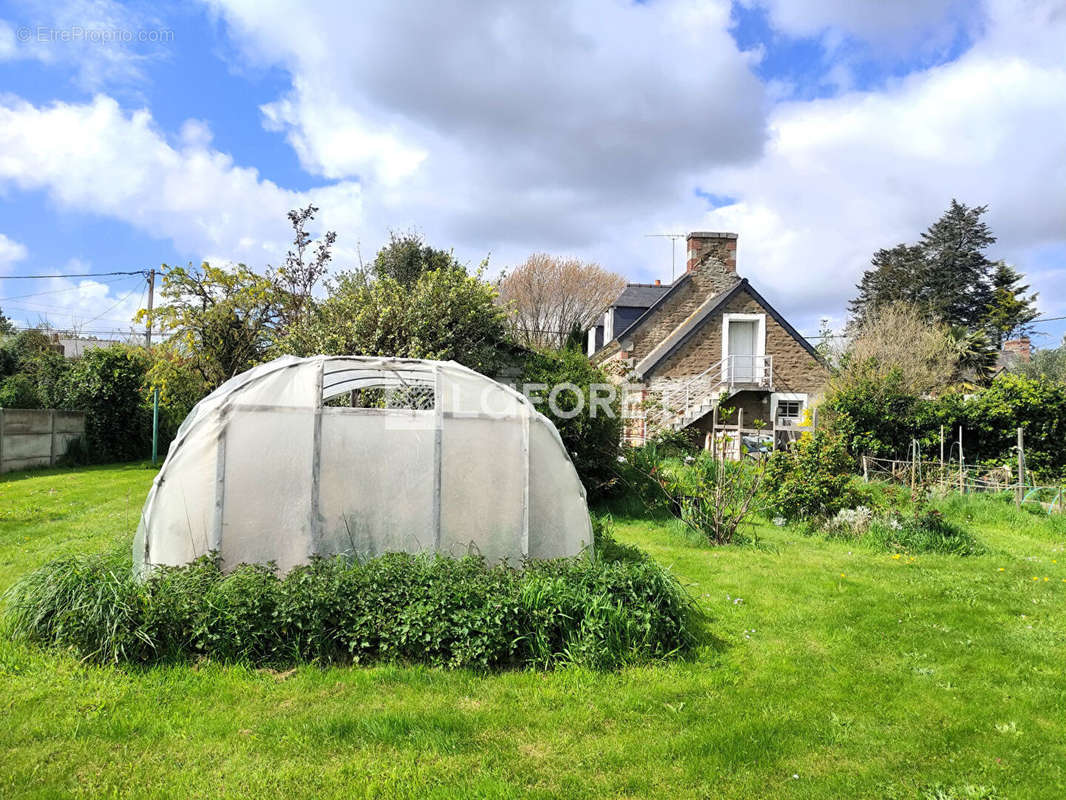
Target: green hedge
[(877, 417), (429, 609)]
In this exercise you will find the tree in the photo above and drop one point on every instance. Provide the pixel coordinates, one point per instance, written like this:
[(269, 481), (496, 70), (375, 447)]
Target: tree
[(109, 383), (1049, 363), (974, 356), (948, 277), (445, 314), (957, 272), (551, 296), (406, 257), (829, 345), (223, 320), (898, 338), (897, 276), (7, 327), (303, 269), (1010, 311)]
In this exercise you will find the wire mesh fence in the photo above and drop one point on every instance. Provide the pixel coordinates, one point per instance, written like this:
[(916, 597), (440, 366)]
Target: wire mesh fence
[(919, 473)]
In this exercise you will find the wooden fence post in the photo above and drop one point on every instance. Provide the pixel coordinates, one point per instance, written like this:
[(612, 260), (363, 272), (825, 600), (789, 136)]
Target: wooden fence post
[(865, 471)]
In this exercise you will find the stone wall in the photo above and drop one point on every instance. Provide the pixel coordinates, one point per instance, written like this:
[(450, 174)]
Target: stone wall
[(794, 369)]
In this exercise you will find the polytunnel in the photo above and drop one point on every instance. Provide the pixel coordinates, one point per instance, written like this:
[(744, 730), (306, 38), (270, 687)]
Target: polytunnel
[(304, 457)]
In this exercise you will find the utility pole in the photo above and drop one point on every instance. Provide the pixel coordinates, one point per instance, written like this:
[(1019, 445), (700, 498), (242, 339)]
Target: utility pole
[(151, 297)]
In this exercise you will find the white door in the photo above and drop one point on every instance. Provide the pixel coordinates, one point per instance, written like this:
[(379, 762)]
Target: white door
[(742, 358)]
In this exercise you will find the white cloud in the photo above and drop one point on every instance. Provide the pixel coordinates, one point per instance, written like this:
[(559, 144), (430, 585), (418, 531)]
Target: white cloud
[(580, 128), (847, 175), (96, 158), (509, 125), (7, 41), (103, 43), (10, 252), (75, 304)]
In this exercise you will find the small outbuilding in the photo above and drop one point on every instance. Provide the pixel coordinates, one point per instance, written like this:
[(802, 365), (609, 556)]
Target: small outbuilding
[(305, 457)]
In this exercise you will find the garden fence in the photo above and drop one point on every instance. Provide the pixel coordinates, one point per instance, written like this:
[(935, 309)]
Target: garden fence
[(36, 437)]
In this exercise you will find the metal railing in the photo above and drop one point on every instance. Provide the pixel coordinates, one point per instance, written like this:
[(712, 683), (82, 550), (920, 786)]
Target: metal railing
[(732, 373)]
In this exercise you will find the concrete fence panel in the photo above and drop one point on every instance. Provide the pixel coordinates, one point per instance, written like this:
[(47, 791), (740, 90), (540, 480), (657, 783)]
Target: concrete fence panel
[(31, 437)]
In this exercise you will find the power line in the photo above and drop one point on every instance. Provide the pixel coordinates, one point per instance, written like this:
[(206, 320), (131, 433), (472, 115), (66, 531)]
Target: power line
[(71, 275), (846, 335), (57, 291)]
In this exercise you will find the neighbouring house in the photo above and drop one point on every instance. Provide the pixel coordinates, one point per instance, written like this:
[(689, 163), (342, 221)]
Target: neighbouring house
[(707, 352), (1014, 352)]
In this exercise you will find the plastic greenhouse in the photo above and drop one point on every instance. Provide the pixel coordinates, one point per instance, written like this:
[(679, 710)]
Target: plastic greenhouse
[(306, 457)]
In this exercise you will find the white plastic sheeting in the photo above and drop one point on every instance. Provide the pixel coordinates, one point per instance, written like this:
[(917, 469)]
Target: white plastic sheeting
[(263, 470)]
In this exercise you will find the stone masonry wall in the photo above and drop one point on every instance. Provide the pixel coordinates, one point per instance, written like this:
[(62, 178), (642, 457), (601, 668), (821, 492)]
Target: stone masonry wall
[(794, 369)]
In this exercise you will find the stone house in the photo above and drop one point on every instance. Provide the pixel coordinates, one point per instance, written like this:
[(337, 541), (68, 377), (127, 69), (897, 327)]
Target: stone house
[(707, 352)]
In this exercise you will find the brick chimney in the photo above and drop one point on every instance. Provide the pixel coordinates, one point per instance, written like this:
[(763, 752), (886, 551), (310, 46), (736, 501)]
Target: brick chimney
[(701, 243), (658, 282), (1020, 348)]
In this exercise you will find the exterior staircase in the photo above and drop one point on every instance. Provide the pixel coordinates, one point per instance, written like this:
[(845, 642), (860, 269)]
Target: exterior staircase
[(699, 396)]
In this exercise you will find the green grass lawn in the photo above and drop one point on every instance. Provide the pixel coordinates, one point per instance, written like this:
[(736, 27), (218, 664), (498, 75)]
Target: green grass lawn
[(835, 671)]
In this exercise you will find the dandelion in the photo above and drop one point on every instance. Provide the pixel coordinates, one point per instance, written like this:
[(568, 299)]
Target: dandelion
[(1035, 578), (896, 555), (1045, 578), (842, 575), (1001, 569)]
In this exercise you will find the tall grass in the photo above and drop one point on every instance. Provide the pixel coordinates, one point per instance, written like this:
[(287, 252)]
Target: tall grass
[(406, 608)]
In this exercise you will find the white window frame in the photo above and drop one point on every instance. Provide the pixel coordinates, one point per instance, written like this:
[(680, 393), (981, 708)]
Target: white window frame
[(608, 325), (802, 397), (760, 341)]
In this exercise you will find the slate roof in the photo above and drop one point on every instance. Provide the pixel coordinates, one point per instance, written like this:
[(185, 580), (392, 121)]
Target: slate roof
[(640, 295)]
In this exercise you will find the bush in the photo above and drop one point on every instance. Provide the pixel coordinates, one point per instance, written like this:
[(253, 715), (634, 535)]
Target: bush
[(710, 494), (409, 608), (590, 436), (876, 416), (925, 531), (109, 384), (811, 480), (19, 391)]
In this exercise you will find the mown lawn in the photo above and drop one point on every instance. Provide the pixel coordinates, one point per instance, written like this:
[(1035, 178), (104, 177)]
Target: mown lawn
[(835, 671)]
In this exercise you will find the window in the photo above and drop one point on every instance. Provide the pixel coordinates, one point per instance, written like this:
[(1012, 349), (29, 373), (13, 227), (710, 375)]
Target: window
[(789, 410)]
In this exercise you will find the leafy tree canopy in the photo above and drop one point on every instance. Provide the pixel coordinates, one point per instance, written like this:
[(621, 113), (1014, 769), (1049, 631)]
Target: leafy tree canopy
[(444, 314), (949, 277), (222, 320), (407, 257)]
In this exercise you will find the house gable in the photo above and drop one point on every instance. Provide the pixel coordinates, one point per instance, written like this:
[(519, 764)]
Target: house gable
[(711, 272), (696, 344)]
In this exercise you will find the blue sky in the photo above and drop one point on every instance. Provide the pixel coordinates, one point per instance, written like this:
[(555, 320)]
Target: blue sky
[(819, 131)]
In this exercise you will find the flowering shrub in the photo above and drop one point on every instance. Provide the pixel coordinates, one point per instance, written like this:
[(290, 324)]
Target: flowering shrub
[(924, 531), (810, 481), (851, 521)]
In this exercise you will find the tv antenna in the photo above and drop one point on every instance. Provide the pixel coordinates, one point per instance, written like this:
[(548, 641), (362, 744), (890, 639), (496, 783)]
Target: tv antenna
[(673, 237)]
